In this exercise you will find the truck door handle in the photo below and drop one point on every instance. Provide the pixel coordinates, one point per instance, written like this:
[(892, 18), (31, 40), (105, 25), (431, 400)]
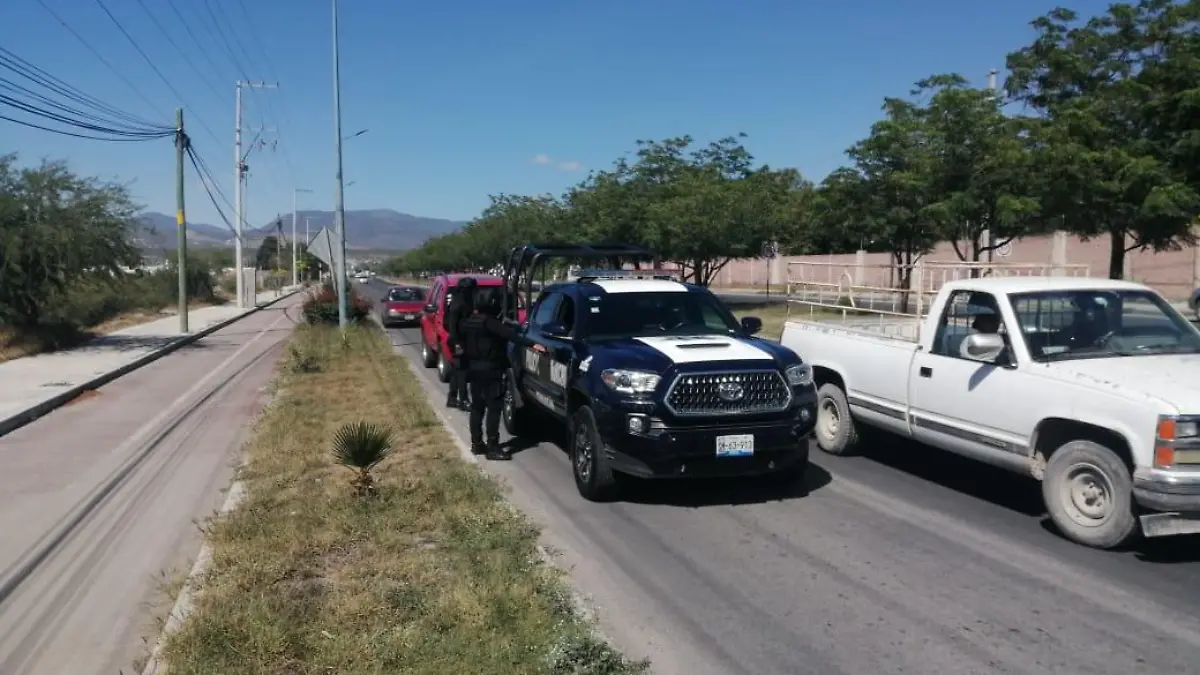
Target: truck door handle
[(926, 371)]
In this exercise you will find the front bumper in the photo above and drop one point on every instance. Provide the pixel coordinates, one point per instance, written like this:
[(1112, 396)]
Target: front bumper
[(672, 450), (1167, 489), (397, 318)]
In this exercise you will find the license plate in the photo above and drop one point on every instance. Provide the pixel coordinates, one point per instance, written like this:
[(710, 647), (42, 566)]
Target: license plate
[(408, 317), (741, 445)]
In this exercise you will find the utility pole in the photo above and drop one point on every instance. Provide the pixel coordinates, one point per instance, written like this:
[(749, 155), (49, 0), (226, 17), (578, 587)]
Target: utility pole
[(295, 243), (181, 220), (339, 208), (239, 177), (988, 234)]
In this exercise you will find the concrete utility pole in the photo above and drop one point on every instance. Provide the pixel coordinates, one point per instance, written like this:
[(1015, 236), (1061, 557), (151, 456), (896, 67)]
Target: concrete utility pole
[(181, 220), (239, 177), (295, 192), (339, 208), (987, 234)]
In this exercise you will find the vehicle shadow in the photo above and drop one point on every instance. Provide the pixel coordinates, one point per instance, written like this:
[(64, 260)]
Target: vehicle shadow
[(697, 492), (701, 492), (965, 476), (1007, 490)]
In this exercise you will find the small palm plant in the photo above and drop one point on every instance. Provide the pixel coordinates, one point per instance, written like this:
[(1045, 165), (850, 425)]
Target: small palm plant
[(361, 446)]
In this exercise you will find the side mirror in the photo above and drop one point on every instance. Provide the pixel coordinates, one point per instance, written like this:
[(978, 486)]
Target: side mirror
[(982, 347), (752, 325), (431, 308), (554, 330)]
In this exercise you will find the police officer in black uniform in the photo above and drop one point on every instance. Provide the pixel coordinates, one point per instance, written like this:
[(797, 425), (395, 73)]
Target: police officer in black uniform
[(485, 341), (459, 308)]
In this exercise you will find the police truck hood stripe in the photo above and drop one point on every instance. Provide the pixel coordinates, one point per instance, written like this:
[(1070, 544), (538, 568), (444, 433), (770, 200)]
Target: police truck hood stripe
[(706, 348)]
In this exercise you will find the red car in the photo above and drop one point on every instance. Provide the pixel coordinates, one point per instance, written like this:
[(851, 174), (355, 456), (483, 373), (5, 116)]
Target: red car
[(433, 332), (402, 306)]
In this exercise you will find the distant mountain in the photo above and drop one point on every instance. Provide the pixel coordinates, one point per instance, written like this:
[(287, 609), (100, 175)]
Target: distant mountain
[(375, 230)]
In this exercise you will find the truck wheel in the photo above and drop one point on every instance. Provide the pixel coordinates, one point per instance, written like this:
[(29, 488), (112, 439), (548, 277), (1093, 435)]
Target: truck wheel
[(428, 356), (1089, 495), (835, 430), (516, 420), (443, 368), (593, 477)]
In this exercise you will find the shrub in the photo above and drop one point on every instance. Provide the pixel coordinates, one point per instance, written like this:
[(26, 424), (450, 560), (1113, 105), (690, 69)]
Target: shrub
[(321, 306)]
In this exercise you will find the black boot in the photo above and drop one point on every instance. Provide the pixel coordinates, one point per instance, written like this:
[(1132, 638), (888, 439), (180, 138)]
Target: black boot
[(496, 452), (478, 448), (464, 404), (451, 401)]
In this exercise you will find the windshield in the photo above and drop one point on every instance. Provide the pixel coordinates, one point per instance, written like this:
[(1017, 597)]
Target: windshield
[(613, 316), (1082, 324), (406, 295)]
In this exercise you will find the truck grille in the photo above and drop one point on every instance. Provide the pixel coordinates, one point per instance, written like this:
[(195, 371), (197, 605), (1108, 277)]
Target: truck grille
[(761, 391)]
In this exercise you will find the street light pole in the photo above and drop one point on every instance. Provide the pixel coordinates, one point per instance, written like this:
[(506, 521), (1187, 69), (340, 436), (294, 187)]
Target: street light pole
[(295, 272), (339, 208)]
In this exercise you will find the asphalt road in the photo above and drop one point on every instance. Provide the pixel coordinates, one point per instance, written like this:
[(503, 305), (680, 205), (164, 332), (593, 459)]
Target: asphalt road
[(906, 560), (100, 500)]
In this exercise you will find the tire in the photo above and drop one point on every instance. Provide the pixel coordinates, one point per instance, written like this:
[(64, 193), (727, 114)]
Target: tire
[(594, 479), (516, 420), (443, 368), (1088, 493), (428, 356), (835, 430)]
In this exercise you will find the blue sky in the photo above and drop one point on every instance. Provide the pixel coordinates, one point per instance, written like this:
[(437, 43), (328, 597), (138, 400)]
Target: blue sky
[(474, 98)]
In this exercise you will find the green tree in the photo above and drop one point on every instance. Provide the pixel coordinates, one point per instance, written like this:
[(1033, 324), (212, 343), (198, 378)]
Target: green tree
[(1107, 152), (56, 229), (981, 167), (267, 257)]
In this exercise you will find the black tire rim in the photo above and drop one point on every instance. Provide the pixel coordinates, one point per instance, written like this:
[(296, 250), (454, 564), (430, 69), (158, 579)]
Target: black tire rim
[(583, 453)]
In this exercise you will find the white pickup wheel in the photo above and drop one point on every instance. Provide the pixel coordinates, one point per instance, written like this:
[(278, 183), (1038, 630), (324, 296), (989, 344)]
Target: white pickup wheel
[(1088, 493), (835, 430)]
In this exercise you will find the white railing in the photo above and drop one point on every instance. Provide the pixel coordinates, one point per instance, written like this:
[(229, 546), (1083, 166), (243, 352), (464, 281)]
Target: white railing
[(890, 299)]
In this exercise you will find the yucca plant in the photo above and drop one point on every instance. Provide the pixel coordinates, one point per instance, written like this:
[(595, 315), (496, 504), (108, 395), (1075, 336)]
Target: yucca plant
[(360, 446)]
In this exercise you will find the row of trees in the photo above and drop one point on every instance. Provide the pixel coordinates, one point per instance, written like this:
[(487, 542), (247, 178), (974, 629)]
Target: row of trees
[(1106, 143)]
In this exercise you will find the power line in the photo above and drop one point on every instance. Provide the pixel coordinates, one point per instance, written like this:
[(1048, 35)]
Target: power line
[(61, 132), (165, 33), (6, 84), (197, 163), (153, 67), (32, 73), (81, 124), (99, 56)]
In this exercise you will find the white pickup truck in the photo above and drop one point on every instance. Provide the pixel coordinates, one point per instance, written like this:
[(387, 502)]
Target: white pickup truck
[(1091, 386)]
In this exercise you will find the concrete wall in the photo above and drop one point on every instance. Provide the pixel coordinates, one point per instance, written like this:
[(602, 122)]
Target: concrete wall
[(1172, 273)]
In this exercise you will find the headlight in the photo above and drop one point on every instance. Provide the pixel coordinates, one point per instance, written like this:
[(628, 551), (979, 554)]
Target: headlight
[(1188, 429), (799, 375), (629, 381)]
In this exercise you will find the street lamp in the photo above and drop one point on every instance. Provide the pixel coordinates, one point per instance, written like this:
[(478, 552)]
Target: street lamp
[(355, 134), (295, 192), (339, 208)]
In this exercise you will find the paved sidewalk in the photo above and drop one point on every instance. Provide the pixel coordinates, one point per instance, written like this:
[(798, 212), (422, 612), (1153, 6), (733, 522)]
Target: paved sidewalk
[(28, 381)]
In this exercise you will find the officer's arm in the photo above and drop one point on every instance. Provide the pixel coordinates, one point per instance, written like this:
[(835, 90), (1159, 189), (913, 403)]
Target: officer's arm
[(505, 332)]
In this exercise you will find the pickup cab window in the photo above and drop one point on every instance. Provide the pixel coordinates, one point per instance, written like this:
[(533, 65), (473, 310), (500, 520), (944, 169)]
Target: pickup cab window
[(616, 316), (968, 312), (1083, 324)]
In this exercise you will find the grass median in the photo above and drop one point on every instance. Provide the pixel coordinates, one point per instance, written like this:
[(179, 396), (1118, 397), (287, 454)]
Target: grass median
[(432, 573)]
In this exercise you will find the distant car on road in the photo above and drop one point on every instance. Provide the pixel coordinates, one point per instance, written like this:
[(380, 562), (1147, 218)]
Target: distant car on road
[(402, 306)]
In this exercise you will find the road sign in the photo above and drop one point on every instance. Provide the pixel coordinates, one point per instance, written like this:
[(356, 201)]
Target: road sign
[(770, 249), (1005, 249), (321, 246)]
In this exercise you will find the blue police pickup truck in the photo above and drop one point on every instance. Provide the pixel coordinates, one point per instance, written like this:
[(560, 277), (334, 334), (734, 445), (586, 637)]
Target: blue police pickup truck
[(657, 379)]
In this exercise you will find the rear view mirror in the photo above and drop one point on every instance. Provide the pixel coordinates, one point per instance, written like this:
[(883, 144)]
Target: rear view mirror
[(982, 347)]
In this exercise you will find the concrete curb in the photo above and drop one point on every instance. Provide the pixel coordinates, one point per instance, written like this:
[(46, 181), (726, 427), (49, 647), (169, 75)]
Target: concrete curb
[(39, 410)]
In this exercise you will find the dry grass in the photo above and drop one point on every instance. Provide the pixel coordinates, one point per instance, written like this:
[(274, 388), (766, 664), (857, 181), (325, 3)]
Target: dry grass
[(434, 574)]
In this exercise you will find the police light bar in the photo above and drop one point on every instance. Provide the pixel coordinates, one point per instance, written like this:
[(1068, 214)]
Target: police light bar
[(612, 275)]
